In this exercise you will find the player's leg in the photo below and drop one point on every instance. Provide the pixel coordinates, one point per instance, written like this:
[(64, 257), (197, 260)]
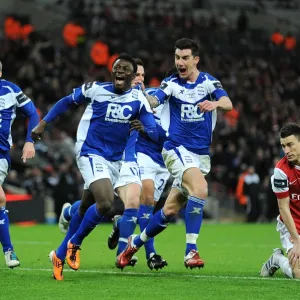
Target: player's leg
[(278, 260), (154, 260), (67, 212), (11, 258), (130, 194), (157, 224), (148, 169), (195, 184), (100, 175), (58, 257), (103, 194), (189, 169), (128, 188), (145, 213)]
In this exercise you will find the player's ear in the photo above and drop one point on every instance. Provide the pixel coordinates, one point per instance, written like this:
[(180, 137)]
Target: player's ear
[(197, 59)]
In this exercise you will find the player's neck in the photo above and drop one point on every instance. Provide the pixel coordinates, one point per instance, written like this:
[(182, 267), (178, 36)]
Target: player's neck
[(194, 76)]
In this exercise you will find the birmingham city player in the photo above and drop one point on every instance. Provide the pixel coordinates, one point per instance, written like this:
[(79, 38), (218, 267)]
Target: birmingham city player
[(189, 117), (11, 100), (128, 187), (154, 178), (102, 135)]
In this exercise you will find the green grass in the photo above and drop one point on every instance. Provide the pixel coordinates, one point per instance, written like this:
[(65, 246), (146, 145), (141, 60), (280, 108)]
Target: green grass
[(233, 254)]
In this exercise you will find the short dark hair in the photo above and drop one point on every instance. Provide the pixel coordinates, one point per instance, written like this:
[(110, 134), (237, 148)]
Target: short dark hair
[(139, 62), (188, 44), (290, 129), (128, 58)]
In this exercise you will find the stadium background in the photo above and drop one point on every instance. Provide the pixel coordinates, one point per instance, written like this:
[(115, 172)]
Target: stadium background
[(50, 47)]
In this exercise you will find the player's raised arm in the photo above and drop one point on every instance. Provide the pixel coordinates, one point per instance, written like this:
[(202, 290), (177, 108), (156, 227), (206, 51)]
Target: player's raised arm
[(79, 96)]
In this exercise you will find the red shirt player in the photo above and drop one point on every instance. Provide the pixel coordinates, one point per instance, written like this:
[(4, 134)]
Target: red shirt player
[(286, 186)]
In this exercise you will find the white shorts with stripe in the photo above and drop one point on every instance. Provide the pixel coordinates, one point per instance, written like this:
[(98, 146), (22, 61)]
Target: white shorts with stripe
[(129, 173), (179, 159), (150, 170), (95, 167)]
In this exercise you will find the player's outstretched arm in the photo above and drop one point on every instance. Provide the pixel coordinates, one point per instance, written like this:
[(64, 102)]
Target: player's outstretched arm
[(37, 132), (59, 108), (285, 212), (152, 100)]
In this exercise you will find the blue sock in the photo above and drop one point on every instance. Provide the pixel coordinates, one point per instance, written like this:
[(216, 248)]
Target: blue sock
[(157, 224), (126, 226), (193, 221), (73, 227), (90, 220), (71, 210), (144, 216), (4, 230)]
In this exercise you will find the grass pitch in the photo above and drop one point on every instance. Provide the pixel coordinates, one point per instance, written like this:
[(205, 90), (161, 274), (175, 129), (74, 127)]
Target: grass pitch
[(233, 255)]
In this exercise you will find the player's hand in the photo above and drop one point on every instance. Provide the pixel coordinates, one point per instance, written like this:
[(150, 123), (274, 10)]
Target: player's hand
[(140, 84), (294, 255), (28, 151), (137, 125), (207, 105), (37, 131)]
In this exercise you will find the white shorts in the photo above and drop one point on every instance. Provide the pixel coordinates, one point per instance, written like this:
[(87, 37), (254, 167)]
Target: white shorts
[(129, 173), (4, 167), (179, 160), (95, 167), (285, 236), (153, 171)]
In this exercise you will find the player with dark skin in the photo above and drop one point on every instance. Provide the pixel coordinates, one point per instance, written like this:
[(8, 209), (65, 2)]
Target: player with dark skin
[(100, 191)]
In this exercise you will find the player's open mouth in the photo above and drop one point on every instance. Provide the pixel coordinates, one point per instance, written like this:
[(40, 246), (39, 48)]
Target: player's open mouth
[(181, 71), (120, 79)]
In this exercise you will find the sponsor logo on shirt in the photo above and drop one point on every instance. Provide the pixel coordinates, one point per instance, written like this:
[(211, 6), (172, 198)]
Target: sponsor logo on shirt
[(191, 113), (118, 113)]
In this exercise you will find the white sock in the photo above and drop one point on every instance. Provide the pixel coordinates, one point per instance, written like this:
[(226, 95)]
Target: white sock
[(143, 236), (191, 238), (284, 265)]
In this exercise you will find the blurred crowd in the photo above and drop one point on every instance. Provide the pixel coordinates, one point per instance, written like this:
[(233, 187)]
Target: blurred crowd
[(261, 78)]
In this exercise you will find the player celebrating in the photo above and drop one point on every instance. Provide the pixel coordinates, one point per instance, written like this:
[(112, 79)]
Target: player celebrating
[(102, 135), (189, 117), (156, 173), (286, 186), (12, 98)]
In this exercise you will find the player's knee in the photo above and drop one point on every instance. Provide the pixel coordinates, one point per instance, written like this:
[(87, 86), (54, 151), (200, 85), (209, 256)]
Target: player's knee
[(296, 272), (132, 202), (104, 207), (147, 200), (200, 191)]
